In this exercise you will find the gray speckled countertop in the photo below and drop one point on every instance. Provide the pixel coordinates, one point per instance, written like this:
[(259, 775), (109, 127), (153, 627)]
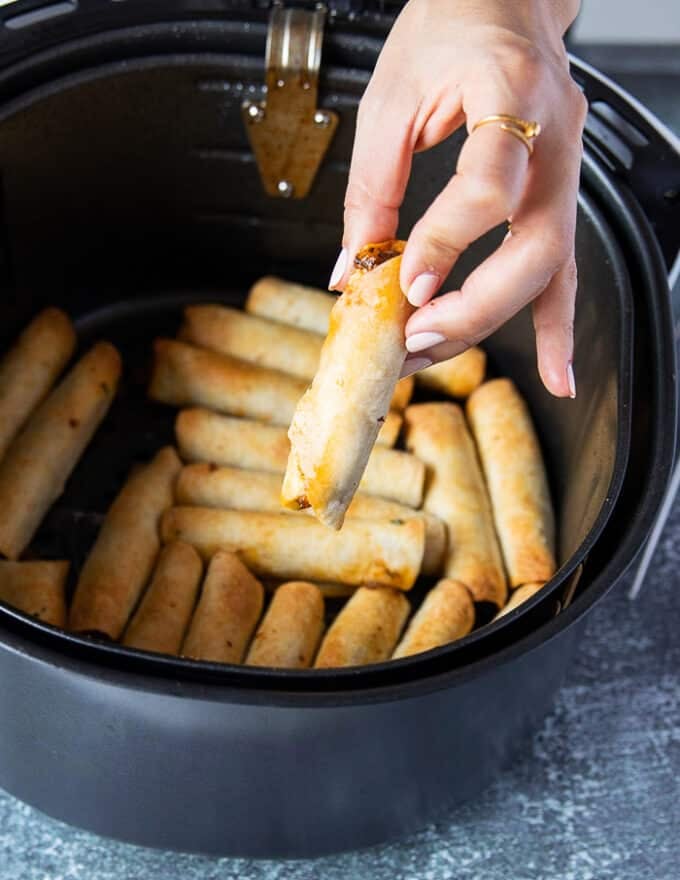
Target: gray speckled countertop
[(595, 797), (597, 794)]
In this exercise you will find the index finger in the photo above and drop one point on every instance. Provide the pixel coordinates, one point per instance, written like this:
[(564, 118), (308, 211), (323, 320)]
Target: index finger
[(378, 175)]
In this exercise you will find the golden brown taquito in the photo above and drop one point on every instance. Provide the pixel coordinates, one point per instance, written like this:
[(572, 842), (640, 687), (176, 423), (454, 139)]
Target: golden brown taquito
[(295, 304), (447, 614), (337, 420), (227, 612), (184, 375), (42, 456), (520, 595), (458, 376), (163, 615), (207, 485), (123, 556), (31, 367), (366, 629), (518, 485), (36, 588), (253, 339), (291, 629), (455, 492), (299, 548)]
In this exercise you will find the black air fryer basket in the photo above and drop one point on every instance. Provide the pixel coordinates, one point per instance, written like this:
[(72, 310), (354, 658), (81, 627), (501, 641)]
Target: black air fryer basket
[(129, 188)]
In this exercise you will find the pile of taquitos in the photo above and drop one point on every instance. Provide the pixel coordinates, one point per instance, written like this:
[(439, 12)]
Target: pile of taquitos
[(196, 556)]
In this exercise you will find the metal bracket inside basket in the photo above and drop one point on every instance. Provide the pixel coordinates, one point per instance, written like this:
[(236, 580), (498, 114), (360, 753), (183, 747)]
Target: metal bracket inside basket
[(288, 133)]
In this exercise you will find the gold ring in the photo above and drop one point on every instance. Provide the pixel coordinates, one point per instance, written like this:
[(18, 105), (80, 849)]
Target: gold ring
[(522, 129)]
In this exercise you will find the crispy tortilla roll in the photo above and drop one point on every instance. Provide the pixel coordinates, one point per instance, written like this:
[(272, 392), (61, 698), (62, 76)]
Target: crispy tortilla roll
[(366, 630), (520, 595), (456, 493), (206, 485), (402, 394), (36, 588), (41, 457), (459, 376), (389, 429), (163, 615), (122, 558), (253, 339), (30, 368), (290, 631), (206, 436), (298, 548), (338, 419), (518, 486), (447, 614), (184, 375), (293, 304), (227, 612)]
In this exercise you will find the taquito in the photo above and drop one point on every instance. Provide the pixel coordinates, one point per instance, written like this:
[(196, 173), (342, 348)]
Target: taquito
[(366, 629), (30, 368), (518, 486), (207, 485), (293, 304), (447, 614), (299, 548), (290, 631), (338, 418), (227, 612), (163, 615), (123, 556), (520, 595), (42, 456), (458, 376), (36, 588), (184, 375), (455, 492), (206, 436), (253, 339)]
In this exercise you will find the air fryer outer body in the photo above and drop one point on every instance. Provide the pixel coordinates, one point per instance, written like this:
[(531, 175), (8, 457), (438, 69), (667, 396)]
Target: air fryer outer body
[(200, 769)]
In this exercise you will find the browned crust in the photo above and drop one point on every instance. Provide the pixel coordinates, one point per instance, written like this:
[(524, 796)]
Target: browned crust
[(370, 256)]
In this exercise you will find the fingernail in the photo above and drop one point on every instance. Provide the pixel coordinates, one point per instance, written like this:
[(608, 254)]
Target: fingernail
[(421, 341), (413, 365), (571, 382), (423, 289), (338, 269)]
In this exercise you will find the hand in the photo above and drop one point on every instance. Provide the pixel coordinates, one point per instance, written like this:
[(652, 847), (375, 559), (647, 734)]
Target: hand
[(449, 62)]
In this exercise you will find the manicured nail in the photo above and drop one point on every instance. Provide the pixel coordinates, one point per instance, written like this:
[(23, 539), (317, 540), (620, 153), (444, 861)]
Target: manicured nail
[(413, 365), (571, 382), (421, 341), (338, 269), (423, 289)]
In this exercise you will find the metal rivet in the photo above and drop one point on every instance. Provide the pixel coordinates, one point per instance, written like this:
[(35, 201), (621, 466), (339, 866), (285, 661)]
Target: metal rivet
[(306, 84), (285, 188), (280, 83), (321, 118), (255, 112)]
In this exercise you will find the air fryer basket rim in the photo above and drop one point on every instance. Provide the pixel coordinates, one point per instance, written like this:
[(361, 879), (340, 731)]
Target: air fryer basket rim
[(392, 665), (302, 677)]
